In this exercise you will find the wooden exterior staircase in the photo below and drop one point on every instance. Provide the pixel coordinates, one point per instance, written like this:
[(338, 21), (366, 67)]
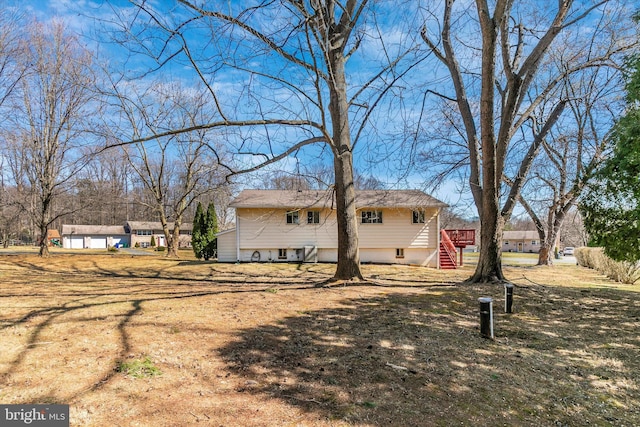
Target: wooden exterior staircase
[(447, 252), (449, 241)]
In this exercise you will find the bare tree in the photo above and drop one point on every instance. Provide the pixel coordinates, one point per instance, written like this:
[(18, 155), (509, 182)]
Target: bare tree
[(49, 119), (173, 169), (494, 96), (296, 88), (571, 153), (10, 75)]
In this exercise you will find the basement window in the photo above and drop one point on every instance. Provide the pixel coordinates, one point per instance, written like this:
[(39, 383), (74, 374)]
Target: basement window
[(400, 253), (282, 254)]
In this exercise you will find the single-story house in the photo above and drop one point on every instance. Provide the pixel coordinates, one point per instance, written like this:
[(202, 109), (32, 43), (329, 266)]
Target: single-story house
[(93, 236), (104, 236), (521, 241), (141, 232), (394, 226)]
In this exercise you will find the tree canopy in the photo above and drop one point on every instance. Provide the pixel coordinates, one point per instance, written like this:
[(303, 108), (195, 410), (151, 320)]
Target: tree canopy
[(611, 208)]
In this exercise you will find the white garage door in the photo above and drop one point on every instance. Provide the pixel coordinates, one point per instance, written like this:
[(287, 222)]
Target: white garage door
[(98, 242), (77, 242)]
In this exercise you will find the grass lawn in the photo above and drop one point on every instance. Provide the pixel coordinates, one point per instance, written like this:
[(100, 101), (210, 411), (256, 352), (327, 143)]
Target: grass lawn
[(142, 340)]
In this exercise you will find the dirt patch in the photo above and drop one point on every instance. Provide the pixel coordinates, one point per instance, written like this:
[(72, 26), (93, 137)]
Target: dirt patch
[(261, 345)]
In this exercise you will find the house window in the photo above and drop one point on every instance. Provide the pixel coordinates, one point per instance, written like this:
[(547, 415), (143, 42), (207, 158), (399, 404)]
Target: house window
[(371, 217), (144, 244), (534, 242), (292, 218), (418, 217), (313, 217), (282, 254), (506, 243), (400, 253), (143, 232)]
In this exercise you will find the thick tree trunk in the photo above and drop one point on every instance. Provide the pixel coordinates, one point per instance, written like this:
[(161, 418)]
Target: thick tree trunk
[(348, 267), (44, 241), (173, 242), (489, 268), (545, 256)]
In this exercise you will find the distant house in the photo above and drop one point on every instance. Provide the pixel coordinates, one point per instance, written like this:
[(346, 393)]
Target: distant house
[(104, 236), (93, 236), (394, 226), (141, 232), (521, 241)]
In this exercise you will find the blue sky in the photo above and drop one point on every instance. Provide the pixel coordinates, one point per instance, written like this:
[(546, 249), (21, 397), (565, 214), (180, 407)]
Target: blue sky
[(387, 161), (385, 158)]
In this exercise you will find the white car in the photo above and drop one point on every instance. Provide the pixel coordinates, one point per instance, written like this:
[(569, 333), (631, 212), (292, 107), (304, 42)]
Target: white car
[(568, 250)]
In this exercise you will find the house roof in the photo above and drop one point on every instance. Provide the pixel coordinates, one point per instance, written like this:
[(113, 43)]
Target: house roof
[(53, 234), (156, 225), (520, 235), (325, 199), (104, 230)]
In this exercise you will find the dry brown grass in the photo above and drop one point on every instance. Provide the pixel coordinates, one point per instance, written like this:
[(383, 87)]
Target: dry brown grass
[(261, 345)]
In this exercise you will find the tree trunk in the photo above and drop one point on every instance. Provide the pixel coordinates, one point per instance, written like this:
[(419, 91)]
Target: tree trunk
[(43, 225), (545, 254), (44, 241), (348, 267), (173, 243), (489, 268)]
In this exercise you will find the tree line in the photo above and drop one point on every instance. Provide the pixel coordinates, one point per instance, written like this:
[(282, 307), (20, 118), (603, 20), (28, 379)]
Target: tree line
[(513, 99)]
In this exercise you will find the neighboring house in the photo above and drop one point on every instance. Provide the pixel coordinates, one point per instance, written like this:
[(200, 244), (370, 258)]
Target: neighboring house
[(394, 226), (93, 236), (141, 232), (104, 236), (520, 241)]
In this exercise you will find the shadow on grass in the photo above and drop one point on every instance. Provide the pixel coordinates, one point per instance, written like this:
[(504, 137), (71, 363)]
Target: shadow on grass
[(566, 358)]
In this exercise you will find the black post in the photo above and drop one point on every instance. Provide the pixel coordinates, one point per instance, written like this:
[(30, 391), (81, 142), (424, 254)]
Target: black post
[(486, 317), (508, 298)]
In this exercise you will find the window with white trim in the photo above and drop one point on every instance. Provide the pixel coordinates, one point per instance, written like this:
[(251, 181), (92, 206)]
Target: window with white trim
[(282, 254), (313, 217), (400, 253), (371, 217), (143, 232), (293, 218), (418, 217)]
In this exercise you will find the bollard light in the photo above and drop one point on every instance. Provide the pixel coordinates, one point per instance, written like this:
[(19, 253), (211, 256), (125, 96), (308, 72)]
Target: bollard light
[(486, 317), (508, 298)]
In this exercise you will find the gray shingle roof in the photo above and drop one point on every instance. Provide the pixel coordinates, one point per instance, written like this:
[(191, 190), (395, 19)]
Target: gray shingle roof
[(325, 199), (101, 230)]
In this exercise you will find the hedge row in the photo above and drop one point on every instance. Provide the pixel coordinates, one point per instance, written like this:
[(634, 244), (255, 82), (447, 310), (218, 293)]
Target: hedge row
[(625, 272)]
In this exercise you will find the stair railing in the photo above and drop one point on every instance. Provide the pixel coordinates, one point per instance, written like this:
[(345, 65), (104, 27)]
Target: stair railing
[(448, 246)]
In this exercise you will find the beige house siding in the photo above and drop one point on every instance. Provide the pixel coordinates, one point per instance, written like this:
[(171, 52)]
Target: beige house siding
[(262, 232), (398, 231), (521, 241), (227, 246), (268, 229)]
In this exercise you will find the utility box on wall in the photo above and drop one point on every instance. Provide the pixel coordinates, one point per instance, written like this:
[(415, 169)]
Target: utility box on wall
[(310, 254)]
